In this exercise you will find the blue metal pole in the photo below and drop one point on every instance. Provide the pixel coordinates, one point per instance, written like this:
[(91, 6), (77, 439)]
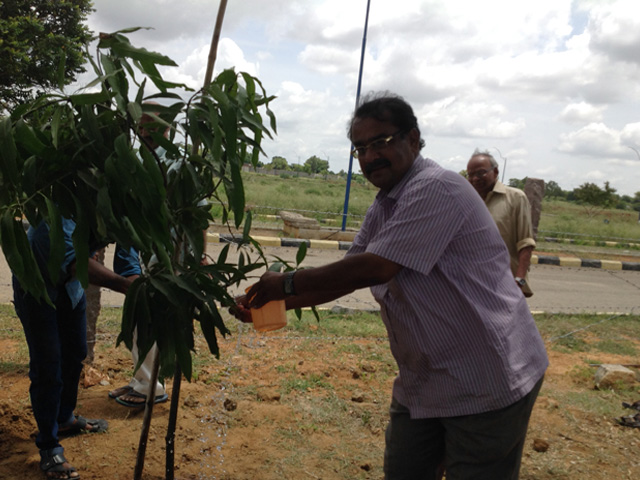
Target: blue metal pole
[(364, 44)]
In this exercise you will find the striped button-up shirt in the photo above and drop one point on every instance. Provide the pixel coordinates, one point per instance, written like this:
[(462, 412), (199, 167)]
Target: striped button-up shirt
[(459, 327)]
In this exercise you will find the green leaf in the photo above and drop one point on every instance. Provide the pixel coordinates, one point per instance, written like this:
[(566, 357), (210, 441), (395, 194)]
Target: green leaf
[(301, 254), (56, 241), (55, 126), (27, 138), (127, 50), (89, 98), (9, 246), (19, 256), (236, 194), (80, 239), (135, 308), (135, 110), (208, 317), (8, 153), (276, 267), (247, 226), (60, 73)]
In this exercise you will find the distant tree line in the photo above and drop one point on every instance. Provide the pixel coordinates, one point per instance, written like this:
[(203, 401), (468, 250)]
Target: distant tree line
[(588, 194), (312, 165)]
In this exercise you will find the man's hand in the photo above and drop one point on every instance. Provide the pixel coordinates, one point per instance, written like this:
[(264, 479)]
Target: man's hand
[(241, 310), (269, 288)]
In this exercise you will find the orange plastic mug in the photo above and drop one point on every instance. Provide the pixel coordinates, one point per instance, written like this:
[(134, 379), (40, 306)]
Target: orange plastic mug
[(271, 316)]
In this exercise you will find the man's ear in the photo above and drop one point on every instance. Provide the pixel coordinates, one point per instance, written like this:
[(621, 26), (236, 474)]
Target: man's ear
[(414, 140)]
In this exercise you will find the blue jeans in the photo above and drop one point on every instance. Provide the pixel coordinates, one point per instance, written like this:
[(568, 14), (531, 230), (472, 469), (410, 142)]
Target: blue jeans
[(57, 341), (485, 446)]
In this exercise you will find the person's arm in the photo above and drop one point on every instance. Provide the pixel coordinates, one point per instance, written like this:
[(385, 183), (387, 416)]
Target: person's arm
[(524, 260), (322, 284), (103, 277), (524, 235)]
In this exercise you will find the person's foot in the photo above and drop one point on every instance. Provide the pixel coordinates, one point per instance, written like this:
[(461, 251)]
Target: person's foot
[(118, 392), (135, 399), (82, 425), (55, 466)]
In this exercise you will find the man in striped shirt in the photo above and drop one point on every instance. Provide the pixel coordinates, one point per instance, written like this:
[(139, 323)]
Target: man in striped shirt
[(470, 358)]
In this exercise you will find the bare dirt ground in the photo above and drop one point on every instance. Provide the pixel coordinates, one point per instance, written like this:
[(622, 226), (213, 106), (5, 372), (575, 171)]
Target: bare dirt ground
[(287, 405)]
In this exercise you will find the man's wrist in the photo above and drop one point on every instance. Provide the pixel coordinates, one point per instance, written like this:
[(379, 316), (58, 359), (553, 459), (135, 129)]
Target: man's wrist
[(520, 281), (288, 286)]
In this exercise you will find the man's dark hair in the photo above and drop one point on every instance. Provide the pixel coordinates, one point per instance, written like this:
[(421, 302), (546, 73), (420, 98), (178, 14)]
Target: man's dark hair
[(386, 107)]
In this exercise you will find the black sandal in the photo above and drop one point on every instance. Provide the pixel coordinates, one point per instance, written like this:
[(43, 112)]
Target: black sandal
[(629, 421), (82, 425), (55, 464), (633, 406)]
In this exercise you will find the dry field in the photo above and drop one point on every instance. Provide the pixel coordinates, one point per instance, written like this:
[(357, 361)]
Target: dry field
[(310, 402)]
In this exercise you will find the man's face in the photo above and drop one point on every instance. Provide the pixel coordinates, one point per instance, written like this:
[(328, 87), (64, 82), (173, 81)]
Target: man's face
[(481, 174), (386, 164), (146, 132)]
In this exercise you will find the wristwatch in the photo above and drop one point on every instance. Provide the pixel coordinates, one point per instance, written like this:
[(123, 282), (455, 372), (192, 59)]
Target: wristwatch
[(288, 287), (520, 281)]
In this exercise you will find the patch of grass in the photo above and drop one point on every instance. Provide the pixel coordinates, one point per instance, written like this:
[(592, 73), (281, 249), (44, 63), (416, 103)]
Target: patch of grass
[(304, 384), (618, 347), (349, 348), (270, 193), (570, 343), (9, 323), (360, 324), (603, 403), (582, 375), (561, 216), (14, 367), (614, 334)]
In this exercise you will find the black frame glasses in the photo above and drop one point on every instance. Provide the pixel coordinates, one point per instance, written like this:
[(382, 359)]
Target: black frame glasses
[(375, 146), (480, 173)]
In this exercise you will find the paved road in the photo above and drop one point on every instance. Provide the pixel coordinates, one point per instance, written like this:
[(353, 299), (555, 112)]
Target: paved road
[(557, 289)]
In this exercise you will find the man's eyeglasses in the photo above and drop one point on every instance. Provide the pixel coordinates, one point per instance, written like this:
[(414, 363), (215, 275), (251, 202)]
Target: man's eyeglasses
[(375, 146), (480, 173)]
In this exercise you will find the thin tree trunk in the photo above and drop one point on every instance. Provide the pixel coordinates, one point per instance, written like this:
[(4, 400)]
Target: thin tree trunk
[(146, 422), (213, 53), (170, 439), (175, 393)]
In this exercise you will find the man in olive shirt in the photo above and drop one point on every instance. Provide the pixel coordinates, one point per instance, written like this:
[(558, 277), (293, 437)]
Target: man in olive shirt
[(511, 211)]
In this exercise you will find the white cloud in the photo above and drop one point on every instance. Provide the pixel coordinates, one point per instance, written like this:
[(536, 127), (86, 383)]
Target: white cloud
[(581, 113), (553, 83), (595, 140), (615, 30), (630, 135), (477, 120)]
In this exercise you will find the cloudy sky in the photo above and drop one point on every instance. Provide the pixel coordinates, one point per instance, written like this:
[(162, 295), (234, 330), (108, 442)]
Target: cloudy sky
[(552, 87)]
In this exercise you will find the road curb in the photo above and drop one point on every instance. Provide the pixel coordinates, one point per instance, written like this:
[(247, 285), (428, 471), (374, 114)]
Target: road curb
[(339, 245)]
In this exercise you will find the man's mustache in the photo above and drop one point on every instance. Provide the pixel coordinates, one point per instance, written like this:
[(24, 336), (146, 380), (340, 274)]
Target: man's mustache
[(377, 163)]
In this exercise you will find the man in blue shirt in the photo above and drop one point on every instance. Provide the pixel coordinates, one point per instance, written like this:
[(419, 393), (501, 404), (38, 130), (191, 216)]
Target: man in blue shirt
[(57, 341)]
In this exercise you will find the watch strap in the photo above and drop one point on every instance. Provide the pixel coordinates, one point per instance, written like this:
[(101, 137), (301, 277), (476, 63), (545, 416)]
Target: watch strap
[(288, 286)]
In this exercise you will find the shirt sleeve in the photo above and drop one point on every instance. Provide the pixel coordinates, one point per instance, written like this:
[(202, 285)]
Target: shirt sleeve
[(126, 262), (524, 226)]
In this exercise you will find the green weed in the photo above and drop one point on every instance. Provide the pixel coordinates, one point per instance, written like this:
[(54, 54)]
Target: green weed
[(304, 384)]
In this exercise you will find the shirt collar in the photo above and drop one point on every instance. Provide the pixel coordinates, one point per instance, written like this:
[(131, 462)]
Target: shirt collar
[(418, 165), (499, 189)]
